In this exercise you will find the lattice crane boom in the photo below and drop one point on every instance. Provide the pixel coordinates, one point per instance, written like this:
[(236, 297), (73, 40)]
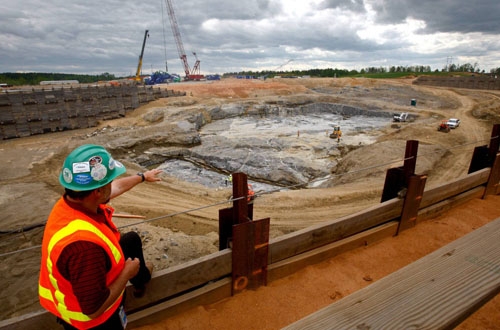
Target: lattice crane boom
[(180, 47)]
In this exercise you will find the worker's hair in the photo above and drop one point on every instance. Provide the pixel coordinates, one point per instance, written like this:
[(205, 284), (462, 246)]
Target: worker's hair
[(77, 194)]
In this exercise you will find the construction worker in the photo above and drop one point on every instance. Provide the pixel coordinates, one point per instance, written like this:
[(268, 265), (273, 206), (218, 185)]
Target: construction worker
[(85, 262), (229, 179), (251, 193)]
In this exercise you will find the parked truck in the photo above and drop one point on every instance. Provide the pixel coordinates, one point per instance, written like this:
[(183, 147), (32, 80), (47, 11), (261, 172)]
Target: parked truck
[(401, 117)]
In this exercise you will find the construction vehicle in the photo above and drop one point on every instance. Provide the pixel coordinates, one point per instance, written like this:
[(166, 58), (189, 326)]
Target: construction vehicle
[(190, 74), (400, 117), (444, 127), (213, 77), (162, 77), (139, 66), (453, 122), (337, 133)]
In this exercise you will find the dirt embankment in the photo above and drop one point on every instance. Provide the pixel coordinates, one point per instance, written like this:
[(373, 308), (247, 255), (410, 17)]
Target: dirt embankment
[(29, 171)]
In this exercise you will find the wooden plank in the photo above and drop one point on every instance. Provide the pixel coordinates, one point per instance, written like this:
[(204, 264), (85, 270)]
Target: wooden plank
[(208, 294), (437, 291), (291, 265), (172, 281), (40, 320), (315, 236), (445, 205), (442, 192)]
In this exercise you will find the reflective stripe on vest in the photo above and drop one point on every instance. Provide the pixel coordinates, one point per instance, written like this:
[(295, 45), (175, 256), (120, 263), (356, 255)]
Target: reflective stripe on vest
[(77, 225), (57, 297)]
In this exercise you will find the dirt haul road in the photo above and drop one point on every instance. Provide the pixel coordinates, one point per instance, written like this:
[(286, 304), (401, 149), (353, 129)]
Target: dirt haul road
[(31, 165)]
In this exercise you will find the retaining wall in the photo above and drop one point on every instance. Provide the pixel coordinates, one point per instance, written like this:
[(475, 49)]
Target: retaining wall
[(29, 112), (472, 82)]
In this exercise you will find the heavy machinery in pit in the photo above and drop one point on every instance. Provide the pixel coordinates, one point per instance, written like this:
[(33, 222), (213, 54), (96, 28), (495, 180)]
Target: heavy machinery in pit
[(337, 133)]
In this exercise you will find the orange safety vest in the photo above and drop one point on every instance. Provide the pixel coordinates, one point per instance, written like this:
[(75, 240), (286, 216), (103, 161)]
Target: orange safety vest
[(65, 226), (251, 193)]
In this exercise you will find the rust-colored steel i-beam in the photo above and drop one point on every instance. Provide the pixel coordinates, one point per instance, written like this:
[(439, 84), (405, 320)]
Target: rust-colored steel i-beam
[(248, 239), (413, 198), (397, 179), (484, 156)]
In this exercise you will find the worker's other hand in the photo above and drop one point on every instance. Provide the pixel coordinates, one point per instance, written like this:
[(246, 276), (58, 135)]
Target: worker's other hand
[(152, 175), (131, 267)]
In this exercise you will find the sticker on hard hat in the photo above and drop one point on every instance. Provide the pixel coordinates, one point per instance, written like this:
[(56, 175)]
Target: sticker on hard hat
[(83, 179), (67, 175), (114, 163), (99, 172), (83, 167), (95, 160)]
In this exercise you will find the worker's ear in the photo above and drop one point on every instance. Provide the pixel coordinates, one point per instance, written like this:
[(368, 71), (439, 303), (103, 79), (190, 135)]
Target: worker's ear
[(96, 193)]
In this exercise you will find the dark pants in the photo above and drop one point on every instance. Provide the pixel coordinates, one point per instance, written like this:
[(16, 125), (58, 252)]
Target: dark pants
[(132, 248), (131, 245)]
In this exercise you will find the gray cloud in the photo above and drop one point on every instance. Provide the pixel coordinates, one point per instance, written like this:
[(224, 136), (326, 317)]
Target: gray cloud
[(351, 5), (106, 36), (444, 16)]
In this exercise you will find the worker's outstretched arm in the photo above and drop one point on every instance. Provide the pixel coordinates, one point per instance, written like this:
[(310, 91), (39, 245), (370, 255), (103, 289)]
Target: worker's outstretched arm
[(121, 185)]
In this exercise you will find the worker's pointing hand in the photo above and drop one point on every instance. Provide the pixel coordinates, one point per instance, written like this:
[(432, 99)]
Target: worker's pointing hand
[(131, 267), (151, 175)]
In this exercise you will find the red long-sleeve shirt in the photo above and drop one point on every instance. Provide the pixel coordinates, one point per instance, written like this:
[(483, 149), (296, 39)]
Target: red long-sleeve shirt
[(84, 265)]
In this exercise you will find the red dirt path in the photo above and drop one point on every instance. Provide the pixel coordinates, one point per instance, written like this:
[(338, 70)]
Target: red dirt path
[(286, 300)]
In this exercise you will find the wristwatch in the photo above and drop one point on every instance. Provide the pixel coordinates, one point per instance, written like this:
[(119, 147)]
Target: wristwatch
[(142, 176)]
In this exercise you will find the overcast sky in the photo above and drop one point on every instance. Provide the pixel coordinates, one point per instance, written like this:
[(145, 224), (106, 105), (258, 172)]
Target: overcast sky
[(97, 36)]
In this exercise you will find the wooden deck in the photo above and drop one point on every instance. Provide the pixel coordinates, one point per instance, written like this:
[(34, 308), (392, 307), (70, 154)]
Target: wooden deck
[(438, 291)]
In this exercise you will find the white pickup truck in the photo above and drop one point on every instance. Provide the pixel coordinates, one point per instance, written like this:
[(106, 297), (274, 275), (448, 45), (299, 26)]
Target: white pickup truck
[(400, 117), (453, 122)]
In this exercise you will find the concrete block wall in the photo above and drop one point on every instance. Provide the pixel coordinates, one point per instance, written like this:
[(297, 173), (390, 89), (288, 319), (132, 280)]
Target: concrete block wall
[(37, 111)]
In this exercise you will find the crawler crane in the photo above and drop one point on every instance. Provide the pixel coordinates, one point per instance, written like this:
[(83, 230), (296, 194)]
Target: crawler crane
[(190, 74)]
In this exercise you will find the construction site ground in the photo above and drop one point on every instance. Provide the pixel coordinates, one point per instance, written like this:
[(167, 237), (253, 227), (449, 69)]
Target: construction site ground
[(31, 165), (287, 300)]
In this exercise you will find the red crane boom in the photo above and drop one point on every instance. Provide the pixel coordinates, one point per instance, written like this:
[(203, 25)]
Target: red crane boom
[(190, 74)]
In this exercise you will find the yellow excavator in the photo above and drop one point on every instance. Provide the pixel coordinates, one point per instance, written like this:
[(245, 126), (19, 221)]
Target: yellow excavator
[(337, 133)]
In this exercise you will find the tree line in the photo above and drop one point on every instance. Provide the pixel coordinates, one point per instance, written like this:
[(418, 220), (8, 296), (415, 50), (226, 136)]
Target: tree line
[(34, 78), (394, 71)]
